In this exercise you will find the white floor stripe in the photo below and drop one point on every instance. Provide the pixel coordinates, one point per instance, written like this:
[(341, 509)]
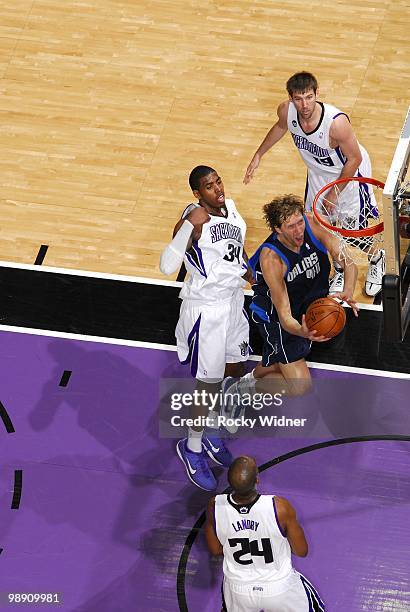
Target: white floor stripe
[(72, 272), (172, 348)]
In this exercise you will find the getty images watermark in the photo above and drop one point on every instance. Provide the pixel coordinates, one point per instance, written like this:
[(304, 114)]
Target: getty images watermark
[(228, 410)]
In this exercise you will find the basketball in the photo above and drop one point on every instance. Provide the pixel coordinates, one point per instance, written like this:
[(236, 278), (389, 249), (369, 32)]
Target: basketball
[(326, 316)]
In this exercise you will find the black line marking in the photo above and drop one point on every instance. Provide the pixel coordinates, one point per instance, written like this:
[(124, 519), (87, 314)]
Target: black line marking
[(182, 273), (18, 484), (41, 254), (6, 419), (1, 550), (65, 378), (183, 560)]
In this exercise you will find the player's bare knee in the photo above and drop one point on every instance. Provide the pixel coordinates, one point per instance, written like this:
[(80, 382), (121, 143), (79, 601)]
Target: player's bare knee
[(300, 386)]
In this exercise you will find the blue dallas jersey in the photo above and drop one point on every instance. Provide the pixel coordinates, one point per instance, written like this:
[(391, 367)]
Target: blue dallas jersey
[(306, 277)]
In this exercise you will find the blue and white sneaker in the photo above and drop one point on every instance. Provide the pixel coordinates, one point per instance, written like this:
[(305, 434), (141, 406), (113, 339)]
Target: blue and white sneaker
[(216, 449), (196, 467)]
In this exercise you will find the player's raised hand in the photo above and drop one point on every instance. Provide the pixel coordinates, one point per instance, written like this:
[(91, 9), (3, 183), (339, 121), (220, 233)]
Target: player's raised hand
[(251, 169), (198, 216), (311, 335), (329, 202), (346, 297)]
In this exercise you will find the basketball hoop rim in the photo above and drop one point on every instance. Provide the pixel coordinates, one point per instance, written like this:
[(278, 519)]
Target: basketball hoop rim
[(368, 231)]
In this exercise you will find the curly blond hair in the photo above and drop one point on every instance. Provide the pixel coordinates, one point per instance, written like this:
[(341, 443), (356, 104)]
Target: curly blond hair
[(281, 208)]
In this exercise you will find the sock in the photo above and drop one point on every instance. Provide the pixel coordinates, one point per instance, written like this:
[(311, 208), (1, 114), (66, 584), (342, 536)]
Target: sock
[(194, 442), (212, 422), (247, 383), (248, 376), (337, 267), (375, 257)]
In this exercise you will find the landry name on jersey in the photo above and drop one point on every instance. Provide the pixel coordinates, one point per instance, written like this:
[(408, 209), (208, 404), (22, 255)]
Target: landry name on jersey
[(255, 549)]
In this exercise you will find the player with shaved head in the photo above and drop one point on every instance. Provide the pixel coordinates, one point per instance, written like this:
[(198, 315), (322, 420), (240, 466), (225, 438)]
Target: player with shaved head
[(257, 535)]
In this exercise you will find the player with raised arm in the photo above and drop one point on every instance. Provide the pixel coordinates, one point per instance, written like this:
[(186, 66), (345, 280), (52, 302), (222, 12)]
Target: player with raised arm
[(328, 146), (257, 534), (291, 270), (212, 331)]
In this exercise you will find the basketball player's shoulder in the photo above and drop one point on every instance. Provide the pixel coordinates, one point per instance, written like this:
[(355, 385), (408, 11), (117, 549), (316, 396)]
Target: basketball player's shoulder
[(283, 506), (212, 502), (284, 106), (189, 208), (282, 501), (333, 112), (268, 254), (218, 500), (271, 262), (283, 109), (221, 497)]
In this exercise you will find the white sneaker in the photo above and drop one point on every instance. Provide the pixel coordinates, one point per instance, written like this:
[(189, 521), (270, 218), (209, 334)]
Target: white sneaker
[(375, 275), (337, 283)]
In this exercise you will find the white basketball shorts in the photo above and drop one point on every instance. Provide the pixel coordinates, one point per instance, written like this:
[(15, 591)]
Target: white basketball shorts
[(212, 335), (301, 596)]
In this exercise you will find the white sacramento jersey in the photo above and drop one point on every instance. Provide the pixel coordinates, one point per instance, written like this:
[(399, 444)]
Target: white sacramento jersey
[(325, 164), (255, 550), (215, 262)]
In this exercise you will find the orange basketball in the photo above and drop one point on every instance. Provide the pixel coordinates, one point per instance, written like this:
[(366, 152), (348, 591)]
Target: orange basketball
[(326, 316)]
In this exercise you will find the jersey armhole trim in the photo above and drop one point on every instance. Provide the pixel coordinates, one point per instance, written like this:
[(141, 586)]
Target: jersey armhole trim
[(313, 238), (341, 113), (276, 517), (188, 209), (278, 252)]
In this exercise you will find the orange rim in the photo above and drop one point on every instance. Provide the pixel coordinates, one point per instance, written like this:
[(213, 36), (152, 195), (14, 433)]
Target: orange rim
[(368, 231)]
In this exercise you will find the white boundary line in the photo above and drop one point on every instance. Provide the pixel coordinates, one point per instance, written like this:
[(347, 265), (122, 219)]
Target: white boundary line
[(172, 348), (72, 272), (129, 279)]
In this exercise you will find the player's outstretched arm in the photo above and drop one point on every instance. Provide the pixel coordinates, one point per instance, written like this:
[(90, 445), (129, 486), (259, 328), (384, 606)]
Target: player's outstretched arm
[(342, 136), (214, 545), (290, 526), (276, 132), (332, 243), (248, 276), (185, 231), (273, 270)]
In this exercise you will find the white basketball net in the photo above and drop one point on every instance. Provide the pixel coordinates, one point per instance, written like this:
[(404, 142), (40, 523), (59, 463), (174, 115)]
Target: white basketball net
[(359, 229)]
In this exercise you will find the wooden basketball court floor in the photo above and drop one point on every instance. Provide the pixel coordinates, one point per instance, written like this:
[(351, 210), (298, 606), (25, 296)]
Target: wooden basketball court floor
[(106, 106)]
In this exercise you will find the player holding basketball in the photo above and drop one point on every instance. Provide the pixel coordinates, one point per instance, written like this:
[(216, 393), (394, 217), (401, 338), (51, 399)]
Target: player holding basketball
[(213, 331), (257, 534), (291, 269), (328, 146)]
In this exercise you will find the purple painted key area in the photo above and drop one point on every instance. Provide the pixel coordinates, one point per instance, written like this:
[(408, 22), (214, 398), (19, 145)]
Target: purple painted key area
[(106, 506)]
